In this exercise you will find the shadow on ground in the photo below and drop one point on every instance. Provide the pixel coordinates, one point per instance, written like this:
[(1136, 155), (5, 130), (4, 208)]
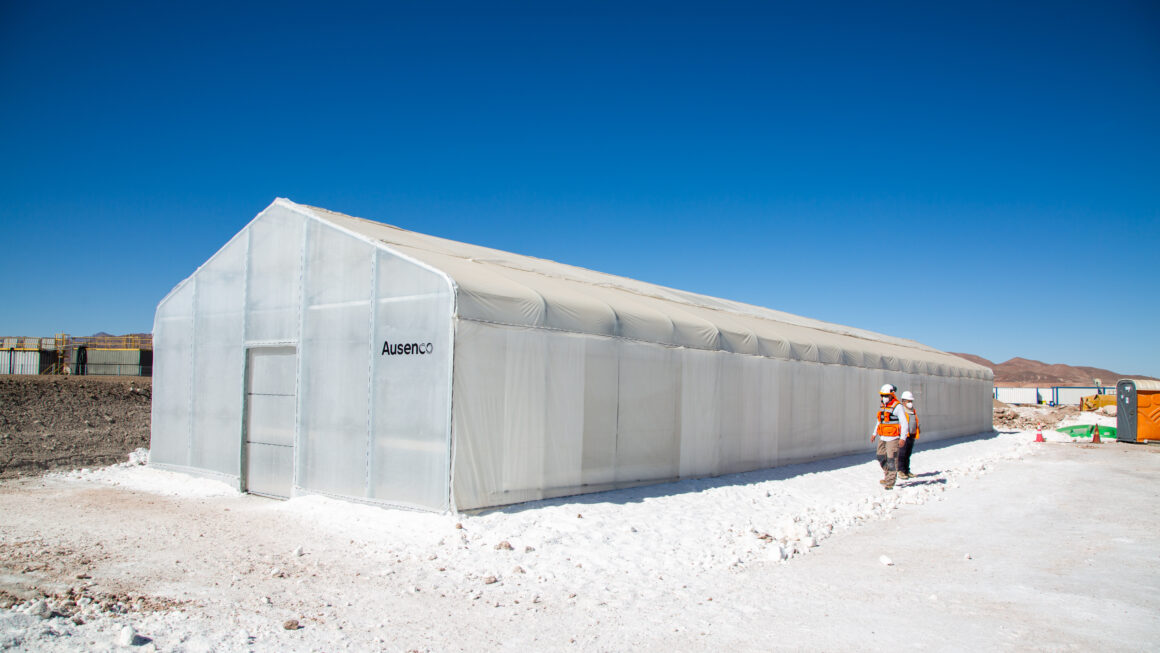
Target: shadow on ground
[(780, 473)]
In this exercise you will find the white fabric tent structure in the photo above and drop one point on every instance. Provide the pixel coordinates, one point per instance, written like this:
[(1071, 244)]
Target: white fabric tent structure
[(321, 353)]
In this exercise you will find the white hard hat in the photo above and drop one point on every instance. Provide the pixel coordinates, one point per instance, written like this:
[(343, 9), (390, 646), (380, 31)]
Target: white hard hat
[(886, 390), (908, 396)]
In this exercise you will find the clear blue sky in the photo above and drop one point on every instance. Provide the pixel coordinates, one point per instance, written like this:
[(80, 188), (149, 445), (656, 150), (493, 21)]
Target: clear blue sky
[(980, 177)]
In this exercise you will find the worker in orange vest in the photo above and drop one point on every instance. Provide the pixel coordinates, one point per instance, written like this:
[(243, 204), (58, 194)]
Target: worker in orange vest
[(906, 444), (891, 425)]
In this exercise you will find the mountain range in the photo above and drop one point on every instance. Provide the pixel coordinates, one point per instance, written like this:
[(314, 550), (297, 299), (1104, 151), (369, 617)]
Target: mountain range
[(1023, 371)]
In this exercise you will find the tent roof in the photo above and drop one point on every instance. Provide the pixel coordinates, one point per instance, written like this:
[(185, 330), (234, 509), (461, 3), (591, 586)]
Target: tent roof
[(504, 288)]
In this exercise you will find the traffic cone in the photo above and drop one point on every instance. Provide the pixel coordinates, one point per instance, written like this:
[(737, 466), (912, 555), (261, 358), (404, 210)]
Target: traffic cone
[(1039, 434), (1096, 436)]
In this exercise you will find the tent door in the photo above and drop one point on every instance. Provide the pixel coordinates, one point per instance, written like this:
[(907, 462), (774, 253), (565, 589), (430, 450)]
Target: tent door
[(271, 402)]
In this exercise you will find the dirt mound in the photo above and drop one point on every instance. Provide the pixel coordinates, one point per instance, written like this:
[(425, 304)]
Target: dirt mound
[(50, 422), (1022, 418)]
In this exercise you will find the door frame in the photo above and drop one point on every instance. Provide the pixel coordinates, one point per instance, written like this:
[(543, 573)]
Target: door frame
[(243, 457)]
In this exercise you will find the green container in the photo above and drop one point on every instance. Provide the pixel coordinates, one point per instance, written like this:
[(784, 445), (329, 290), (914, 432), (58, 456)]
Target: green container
[(1088, 431)]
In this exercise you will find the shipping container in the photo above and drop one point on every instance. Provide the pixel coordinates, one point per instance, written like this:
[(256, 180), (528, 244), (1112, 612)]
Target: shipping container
[(19, 361), (1073, 395), (113, 362), (1017, 395)]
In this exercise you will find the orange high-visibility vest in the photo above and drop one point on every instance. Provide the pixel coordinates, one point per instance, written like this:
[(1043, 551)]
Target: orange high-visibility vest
[(888, 424)]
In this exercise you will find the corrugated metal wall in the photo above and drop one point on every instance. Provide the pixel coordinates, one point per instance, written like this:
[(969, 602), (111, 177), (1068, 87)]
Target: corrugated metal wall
[(1017, 395), (113, 362), (19, 361), (1072, 396)]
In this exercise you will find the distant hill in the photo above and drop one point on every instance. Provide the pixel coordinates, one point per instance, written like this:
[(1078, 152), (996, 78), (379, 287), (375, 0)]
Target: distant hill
[(1023, 371)]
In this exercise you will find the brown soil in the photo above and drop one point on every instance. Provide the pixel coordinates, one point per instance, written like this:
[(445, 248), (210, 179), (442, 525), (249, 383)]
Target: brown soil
[(1022, 418), (52, 422)]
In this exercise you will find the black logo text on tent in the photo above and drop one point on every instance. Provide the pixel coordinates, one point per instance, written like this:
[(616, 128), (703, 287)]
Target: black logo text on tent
[(407, 349)]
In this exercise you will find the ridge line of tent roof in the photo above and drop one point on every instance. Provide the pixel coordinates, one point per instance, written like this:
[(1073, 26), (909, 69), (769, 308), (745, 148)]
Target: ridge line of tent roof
[(372, 241), (681, 296)]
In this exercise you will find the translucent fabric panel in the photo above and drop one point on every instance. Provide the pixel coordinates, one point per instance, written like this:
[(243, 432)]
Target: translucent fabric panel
[(933, 406), (219, 361), (274, 274), (479, 383), (525, 395), (866, 396), (172, 378), (650, 413), (564, 422), (335, 354), (803, 441), (517, 429), (917, 386), (647, 447), (601, 392), (410, 385), (700, 412), (833, 426), (775, 396), (740, 396)]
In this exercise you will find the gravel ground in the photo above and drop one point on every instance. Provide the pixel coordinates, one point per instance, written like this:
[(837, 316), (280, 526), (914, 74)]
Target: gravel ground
[(65, 422)]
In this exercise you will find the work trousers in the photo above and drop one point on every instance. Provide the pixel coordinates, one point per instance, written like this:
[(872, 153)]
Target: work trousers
[(888, 459), (905, 447)]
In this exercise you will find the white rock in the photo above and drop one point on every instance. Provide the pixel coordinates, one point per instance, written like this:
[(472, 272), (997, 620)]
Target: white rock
[(127, 636), (966, 556), (933, 597), (885, 560), (40, 609), (298, 552)]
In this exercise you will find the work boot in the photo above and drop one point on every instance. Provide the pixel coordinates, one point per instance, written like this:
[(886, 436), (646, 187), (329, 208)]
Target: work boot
[(882, 482), (888, 487), (904, 475)]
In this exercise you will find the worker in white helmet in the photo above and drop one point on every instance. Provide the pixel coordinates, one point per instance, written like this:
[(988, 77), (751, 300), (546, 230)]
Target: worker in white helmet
[(909, 435), (889, 428)]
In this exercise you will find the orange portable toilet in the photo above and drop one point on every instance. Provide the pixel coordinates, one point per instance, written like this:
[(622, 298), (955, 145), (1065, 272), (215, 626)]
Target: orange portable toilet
[(1138, 410)]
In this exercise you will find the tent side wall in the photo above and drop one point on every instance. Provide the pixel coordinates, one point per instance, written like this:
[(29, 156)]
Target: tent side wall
[(198, 357), (540, 413), (367, 425), (375, 374)]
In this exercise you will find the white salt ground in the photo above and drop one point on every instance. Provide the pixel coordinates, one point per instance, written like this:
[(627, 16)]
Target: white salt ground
[(807, 556)]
